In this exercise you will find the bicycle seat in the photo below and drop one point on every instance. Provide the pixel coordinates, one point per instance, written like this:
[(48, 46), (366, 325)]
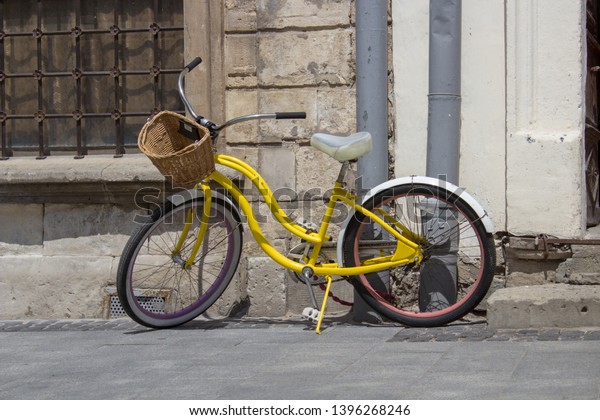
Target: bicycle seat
[(343, 148)]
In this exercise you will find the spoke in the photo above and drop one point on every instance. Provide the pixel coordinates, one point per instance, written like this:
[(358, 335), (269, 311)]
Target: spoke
[(224, 237), (155, 269), (163, 231), (151, 274)]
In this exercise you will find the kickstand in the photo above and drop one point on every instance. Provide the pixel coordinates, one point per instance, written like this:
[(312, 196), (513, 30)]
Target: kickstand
[(324, 304)]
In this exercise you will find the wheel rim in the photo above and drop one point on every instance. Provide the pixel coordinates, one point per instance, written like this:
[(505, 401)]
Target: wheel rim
[(184, 291), (402, 296)]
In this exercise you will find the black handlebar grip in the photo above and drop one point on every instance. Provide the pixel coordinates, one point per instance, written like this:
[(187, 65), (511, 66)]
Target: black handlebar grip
[(290, 115), (194, 63)]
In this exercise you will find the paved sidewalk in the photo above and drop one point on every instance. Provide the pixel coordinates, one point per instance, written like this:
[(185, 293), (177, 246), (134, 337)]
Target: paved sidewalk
[(459, 331), (285, 359)]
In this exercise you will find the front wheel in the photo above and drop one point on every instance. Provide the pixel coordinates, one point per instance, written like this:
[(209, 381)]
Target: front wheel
[(458, 264), (156, 284)]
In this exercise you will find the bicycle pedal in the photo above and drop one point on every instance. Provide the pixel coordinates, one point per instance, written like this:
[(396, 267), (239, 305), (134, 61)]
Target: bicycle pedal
[(311, 314), (309, 226)]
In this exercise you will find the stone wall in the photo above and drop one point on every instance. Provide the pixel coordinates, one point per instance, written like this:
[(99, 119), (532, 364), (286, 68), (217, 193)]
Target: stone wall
[(287, 56), (63, 225), (65, 221)]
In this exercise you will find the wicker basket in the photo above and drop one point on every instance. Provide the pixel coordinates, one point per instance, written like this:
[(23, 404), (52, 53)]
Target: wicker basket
[(179, 147)]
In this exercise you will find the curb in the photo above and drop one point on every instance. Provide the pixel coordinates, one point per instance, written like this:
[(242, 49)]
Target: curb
[(544, 306)]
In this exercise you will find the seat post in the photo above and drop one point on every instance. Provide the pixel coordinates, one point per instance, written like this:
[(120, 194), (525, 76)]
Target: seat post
[(343, 171)]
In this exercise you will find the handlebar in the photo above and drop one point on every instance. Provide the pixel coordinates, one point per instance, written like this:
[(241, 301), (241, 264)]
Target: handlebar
[(214, 128), (290, 115), (194, 63)]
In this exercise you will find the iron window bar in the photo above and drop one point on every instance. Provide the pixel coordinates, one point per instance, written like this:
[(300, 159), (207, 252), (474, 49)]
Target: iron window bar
[(117, 73)]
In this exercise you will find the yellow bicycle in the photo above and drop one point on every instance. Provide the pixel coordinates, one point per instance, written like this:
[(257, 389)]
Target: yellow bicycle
[(418, 250)]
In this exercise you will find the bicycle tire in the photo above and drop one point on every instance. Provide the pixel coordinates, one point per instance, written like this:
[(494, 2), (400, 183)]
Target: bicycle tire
[(459, 256), (153, 286)]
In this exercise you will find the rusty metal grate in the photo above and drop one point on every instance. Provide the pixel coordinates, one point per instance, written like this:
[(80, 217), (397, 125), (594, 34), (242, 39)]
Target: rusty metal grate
[(80, 76), (113, 308)]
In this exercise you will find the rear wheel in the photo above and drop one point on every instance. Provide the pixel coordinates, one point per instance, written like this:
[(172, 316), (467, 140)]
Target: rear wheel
[(458, 264), (155, 286)]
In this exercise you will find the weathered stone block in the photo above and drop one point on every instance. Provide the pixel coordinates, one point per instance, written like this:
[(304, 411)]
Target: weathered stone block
[(241, 81), (336, 110), (247, 154), (241, 102), (240, 15), (530, 272), (550, 305), (305, 58), (286, 100), (65, 169), (583, 268), (45, 287), (275, 14), (240, 60), (253, 249), (316, 171), (21, 224), (266, 287), (278, 168), (87, 230)]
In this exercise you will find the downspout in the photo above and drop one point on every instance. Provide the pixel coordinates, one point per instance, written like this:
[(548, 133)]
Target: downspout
[(371, 107), (438, 280), (443, 127), (372, 88)]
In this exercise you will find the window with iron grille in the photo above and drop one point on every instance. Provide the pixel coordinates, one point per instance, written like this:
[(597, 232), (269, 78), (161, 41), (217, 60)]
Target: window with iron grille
[(82, 76)]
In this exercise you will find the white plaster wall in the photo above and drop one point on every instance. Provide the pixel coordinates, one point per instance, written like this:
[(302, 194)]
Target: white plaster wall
[(522, 108), (410, 20), (545, 49), (482, 165)]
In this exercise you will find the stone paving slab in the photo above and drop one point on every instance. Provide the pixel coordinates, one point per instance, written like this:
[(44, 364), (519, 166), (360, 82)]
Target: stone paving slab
[(462, 332), (254, 359)]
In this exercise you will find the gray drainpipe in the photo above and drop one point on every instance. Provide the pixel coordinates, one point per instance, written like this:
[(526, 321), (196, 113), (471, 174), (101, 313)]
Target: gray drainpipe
[(371, 107), (438, 282), (439, 274), (372, 88), (443, 128)]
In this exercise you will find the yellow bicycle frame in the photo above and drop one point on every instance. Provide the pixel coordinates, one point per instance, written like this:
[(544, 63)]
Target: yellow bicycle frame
[(406, 251)]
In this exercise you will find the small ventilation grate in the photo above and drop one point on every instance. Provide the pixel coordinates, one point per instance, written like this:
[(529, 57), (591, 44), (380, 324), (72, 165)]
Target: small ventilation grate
[(114, 309)]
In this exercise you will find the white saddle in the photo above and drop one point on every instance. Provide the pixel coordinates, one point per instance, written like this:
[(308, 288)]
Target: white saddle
[(342, 148)]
